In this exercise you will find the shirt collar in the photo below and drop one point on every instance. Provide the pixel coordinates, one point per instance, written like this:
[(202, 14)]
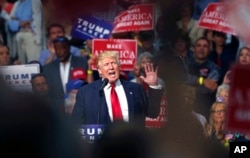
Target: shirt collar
[(117, 83)]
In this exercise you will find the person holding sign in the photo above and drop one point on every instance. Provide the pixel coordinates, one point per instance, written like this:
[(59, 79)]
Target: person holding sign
[(110, 99)]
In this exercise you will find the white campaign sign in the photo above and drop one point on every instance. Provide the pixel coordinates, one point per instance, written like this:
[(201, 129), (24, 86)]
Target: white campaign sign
[(18, 76)]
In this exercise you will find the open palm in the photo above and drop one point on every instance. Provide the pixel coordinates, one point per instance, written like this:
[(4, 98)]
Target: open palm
[(151, 73)]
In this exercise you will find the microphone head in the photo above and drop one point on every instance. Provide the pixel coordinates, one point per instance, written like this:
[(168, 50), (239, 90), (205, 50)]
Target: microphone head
[(105, 81)]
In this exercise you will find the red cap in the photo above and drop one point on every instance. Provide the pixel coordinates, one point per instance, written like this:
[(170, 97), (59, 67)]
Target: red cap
[(78, 73)]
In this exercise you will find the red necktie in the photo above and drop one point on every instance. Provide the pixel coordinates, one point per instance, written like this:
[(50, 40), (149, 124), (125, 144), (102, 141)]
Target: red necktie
[(116, 108)]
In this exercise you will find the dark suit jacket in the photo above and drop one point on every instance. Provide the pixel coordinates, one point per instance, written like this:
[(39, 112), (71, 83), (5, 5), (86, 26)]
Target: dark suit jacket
[(89, 103), (52, 72)]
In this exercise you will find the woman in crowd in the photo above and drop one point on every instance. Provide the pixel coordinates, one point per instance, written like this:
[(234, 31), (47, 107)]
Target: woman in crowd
[(243, 59), (223, 54), (222, 93), (244, 56), (214, 129), (142, 60)]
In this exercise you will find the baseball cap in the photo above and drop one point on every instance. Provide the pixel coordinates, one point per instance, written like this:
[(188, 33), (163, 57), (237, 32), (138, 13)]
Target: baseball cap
[(78, 74), (61, 39), (74, 84)]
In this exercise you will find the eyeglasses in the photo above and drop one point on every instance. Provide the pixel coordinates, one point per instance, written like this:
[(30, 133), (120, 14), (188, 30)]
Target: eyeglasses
[(218, 111)]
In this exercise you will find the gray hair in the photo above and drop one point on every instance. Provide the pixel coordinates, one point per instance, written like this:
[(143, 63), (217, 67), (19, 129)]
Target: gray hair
[(222, 87), (147, 55)]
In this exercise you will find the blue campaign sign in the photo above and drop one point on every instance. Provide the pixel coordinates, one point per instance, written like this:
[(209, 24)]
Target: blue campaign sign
[(90, 27), (92, 132)]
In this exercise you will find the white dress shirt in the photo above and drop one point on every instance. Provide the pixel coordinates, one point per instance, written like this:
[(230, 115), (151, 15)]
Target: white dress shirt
[(122, 99), (64, 73)]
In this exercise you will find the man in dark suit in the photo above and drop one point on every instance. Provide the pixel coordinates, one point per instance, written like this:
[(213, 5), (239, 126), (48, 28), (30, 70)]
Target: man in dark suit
[(58, 71), (94, 105)]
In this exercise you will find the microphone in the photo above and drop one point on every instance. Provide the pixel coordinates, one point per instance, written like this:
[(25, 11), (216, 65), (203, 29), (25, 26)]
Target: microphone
[(104, 83)]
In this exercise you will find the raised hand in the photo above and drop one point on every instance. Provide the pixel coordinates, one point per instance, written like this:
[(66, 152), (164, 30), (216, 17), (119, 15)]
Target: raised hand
[(151, 73)]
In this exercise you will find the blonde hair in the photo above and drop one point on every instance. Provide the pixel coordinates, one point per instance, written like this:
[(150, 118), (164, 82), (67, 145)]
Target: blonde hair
[(108, 54), (212, 108), (211, 124)]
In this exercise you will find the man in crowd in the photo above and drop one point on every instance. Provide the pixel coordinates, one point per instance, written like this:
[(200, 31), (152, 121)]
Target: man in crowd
[(48, 55), (118, 100), (58, 71), (39, 85), (204, 75), (26, 22)]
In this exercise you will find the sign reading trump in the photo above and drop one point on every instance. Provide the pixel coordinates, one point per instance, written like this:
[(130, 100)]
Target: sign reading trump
[(127, 50), (92, 132), (137, 18), (89, 27), (18, 76)]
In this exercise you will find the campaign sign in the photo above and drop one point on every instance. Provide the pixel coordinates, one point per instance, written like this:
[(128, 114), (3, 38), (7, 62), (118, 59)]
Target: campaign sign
[(89, 27), (214, 18), (92, 132), (238, 118), (18, 76), (127, 50), (161, 120), (137, 18)]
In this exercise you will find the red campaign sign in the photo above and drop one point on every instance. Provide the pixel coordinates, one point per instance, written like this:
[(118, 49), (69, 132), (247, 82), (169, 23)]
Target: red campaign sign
[(161, 120), (238, 118), (137, 18), (127, 50), (214, 18)]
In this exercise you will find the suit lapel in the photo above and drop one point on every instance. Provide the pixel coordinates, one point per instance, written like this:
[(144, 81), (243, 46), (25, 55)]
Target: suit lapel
[(57, 73), (102, 105)]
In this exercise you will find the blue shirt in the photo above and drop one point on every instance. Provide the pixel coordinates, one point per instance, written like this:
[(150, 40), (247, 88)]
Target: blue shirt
[(23, 12), (44, 55)]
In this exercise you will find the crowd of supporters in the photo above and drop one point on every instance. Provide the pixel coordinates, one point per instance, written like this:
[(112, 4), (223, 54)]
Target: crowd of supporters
[(194, 67)]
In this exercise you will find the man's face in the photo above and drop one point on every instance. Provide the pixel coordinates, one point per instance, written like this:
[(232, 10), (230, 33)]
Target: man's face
[(201, 49), (40, 86), (62, 50), (55, 32), (4, 56), (109, 68)]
